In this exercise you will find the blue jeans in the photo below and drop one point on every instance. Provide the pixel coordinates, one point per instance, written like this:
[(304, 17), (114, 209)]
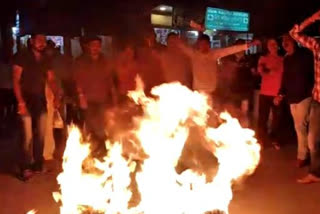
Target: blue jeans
[(34, 128), (314, 138)]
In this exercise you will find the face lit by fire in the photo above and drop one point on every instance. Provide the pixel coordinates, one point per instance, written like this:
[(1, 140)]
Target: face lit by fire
[(272, 46), (128, 53), (288, 44), (38, 43), (94, 48)]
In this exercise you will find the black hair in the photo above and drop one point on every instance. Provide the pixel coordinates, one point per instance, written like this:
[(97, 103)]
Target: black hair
[(172, 34), (92, 38), (51, 43), (204, 37), (34, 35)]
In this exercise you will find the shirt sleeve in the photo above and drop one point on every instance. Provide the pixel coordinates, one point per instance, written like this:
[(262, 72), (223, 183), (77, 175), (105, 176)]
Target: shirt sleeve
[(305, 41)]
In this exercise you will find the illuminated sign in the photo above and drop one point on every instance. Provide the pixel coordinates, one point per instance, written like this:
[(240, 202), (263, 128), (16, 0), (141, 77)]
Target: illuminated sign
[(161, 20), (220, 19)]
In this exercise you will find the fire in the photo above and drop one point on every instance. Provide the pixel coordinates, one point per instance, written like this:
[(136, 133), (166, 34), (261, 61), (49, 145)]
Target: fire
[(162, 131), (102, 186), (32, 212)]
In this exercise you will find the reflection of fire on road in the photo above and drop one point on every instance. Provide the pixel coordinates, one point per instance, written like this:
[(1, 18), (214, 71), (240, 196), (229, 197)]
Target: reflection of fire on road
[(92, 186)]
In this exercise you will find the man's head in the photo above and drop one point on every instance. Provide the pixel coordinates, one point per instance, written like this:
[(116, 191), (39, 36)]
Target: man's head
[(204, 43), (38, 42), (173, 40), (128, 52), (288, 44), (94, 46)]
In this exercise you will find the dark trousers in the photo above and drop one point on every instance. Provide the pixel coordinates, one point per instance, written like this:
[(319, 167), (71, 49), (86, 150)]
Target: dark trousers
[(314, 138), (74, 115), (265, 107), (94, 118)]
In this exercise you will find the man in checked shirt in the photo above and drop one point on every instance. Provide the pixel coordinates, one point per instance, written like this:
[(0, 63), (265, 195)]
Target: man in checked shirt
[(314, 117)]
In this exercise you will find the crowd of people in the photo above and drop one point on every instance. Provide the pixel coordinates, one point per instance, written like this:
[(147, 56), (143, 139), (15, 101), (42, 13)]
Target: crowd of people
[(50, 86)]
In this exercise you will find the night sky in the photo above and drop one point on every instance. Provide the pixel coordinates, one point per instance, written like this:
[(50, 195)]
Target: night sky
[(268, 17)]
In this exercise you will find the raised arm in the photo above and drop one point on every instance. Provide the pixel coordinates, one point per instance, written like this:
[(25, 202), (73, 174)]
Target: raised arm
[(222, 52), (304, 40)]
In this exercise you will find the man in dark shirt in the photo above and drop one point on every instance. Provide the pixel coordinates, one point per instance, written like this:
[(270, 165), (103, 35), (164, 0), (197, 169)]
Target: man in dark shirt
[(296, 87), (95, 89), (31, 72)]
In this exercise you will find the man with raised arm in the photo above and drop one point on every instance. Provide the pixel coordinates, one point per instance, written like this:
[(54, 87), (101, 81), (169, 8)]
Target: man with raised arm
[(314, 115), (204, 63)]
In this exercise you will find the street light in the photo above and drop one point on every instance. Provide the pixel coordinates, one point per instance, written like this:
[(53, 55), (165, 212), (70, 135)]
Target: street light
[(163, 8)]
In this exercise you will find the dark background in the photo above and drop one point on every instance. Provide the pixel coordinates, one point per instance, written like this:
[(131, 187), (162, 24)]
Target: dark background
[(268, 17)]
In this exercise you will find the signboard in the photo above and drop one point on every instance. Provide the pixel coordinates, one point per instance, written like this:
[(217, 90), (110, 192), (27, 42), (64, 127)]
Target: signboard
[(220, 19), (161, 20)]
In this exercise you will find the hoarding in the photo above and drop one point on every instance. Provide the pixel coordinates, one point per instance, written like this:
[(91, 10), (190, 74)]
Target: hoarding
[(220, 19)]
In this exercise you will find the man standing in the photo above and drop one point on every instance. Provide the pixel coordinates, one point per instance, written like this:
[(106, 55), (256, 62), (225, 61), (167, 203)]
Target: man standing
[(296, 87), (95, 88), (31, 71), (204, 63), (176, 65), (314, 122), (150, 67), (236, 84)]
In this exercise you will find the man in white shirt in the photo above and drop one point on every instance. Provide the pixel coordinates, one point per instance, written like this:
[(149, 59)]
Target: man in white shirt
[(204, 63)]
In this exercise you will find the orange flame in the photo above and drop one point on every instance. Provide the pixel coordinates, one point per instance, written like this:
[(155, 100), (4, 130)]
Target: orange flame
[(162, 132)]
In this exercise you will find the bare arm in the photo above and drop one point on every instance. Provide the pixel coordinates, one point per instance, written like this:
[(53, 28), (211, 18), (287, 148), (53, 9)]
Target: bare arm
[(17, 72), (186, 50), (222, 52), (261, 66), (197, 26)]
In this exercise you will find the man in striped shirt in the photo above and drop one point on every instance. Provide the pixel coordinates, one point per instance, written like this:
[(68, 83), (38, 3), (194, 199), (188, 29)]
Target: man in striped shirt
[(314, 117)]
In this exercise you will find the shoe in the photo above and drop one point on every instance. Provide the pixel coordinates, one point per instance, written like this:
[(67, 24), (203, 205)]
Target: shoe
[(26, 175), (37, 168), (309, 179), (302, 163)]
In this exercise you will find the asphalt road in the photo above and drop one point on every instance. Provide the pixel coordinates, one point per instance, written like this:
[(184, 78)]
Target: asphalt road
[(272, 189)]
